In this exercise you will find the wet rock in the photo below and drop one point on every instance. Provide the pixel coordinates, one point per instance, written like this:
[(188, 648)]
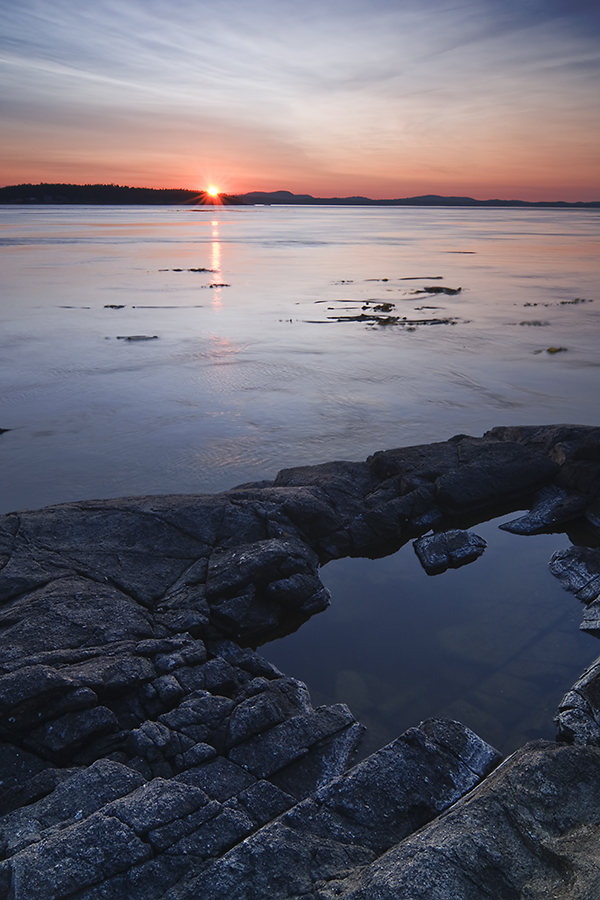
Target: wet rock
[(246, 615), (342, 484), (137, 337), (168, 836), (463, 744), (403, 785), (253, 716), (78, 857), (490, 474), (552, 506), (265, 561), (155, 804), (61, 738), (352, 819), (111, 675), (70, 612), (146, 755), (519, 834), (591, 618), (246, 586), (219, 778), (75, 798), (582, 476), (325, 759), (300, 591), (426, 462), (32, 686), (578, 570), (269, 752), (448, 550), (383, 320), (578, 720), (264, 801), (439, 289), (544, 438)]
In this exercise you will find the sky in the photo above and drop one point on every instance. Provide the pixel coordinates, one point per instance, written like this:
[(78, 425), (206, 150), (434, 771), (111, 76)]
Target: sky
[(380, 98)]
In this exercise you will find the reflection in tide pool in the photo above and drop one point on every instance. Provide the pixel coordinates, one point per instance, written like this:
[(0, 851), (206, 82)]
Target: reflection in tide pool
[(495, 644), (329, 333)]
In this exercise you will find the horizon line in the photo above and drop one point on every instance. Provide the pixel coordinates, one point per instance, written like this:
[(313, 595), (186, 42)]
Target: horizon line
[(282, 194)]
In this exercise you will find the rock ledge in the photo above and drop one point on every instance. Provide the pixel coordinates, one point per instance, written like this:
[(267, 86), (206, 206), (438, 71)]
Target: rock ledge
[(147, 752)]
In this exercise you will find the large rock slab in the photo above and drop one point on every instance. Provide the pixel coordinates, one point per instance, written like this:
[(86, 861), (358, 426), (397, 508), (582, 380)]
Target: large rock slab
[(351, 820), (530, 830)]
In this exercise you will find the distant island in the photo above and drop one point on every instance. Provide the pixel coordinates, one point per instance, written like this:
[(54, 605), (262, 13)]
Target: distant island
[(286, 197), (114, 194)]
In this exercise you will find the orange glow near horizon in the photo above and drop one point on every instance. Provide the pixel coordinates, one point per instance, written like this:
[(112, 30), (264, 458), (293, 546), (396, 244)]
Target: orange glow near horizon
[(211, 104), (496, 176)]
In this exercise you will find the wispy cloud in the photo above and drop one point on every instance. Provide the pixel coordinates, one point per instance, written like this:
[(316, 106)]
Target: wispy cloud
[(346, 87)]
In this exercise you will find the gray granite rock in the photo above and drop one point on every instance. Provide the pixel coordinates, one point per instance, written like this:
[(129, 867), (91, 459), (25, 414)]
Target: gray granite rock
[(146, 754), (530, 830), (578, 570), (552, 506), (448, 550), (81, 855), (352, 819), (579, 711)]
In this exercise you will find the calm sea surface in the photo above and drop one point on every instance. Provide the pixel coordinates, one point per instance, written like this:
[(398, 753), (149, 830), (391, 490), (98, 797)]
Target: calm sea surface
[(257, 365)]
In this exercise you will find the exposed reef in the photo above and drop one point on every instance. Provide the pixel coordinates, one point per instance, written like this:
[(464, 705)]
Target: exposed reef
[(148, 752)]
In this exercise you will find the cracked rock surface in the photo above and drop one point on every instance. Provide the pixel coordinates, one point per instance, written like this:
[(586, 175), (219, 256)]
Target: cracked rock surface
[(147, 752)]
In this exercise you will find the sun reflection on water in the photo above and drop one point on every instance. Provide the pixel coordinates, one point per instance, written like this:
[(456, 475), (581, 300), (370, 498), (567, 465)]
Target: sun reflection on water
[(215, 264)]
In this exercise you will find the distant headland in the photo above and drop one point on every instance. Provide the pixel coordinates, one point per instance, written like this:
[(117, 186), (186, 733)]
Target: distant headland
[(286, 197), (114, 194)]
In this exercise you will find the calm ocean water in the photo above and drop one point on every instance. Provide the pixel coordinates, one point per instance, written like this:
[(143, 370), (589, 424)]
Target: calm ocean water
[(252, 367)]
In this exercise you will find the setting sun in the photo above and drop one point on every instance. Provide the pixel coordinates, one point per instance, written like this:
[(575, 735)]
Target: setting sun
[(213, 191)]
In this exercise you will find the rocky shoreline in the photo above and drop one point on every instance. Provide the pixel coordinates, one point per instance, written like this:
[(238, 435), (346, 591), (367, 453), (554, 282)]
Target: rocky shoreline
[(148, 752)]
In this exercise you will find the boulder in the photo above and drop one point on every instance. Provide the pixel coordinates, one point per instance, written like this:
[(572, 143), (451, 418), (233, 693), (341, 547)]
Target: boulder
[(448, 550)]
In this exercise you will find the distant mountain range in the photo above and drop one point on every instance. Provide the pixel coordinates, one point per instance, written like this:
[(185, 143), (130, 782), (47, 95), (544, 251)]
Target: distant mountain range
[(114, 194), (425, 200)]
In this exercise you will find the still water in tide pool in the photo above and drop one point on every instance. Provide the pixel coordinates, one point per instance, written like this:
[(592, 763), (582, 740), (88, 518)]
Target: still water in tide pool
[(250, 356), (495, 644)]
